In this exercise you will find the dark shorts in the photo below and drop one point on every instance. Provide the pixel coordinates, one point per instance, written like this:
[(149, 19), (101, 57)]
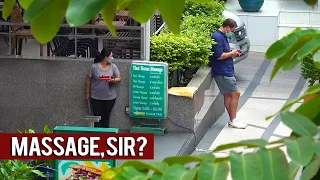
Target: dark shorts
[(226, 84)]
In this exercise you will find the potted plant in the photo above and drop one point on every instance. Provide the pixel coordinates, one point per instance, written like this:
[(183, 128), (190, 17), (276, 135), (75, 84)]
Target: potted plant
[(310, 72), (251, 5)]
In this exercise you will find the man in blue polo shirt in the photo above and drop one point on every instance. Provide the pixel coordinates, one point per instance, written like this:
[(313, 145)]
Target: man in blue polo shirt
[(223, 71)]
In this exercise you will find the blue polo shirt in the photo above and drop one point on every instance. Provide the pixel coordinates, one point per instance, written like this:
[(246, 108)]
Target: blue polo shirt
[(221, 67)]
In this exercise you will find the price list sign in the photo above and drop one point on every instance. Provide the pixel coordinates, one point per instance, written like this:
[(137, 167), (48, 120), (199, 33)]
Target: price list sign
[(148, 90)]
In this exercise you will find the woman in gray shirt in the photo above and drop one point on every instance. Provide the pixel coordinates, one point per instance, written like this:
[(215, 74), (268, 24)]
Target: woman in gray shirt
[(100, 86)]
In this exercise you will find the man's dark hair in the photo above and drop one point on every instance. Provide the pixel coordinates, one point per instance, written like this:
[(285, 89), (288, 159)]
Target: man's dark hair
[(229, 22)]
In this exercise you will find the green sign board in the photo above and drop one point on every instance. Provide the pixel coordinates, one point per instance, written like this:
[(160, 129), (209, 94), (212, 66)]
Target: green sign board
[(148, 90), (82, 169)]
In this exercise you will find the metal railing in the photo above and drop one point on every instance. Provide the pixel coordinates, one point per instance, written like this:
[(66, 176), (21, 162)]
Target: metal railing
[(125, 36)]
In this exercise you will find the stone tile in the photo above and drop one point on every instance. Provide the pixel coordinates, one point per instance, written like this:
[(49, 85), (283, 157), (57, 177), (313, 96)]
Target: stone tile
[(255, 111), (231, 135)]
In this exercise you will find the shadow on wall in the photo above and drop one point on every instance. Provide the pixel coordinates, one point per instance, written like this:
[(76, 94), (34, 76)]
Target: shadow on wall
[(39, 92)]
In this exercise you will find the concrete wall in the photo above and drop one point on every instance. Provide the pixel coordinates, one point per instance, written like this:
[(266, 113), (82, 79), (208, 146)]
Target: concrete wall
[(39, 92)]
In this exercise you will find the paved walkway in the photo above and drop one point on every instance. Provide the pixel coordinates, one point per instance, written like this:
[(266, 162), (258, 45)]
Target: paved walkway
[(259, 99)]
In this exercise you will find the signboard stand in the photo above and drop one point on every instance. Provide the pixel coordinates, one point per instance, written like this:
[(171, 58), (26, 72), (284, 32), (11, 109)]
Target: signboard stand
[(148, 95), (64, 167)]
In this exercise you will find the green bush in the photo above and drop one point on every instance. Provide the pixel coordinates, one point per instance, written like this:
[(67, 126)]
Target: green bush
[(177, 51), (213, 8), (193, 47), (309, 70)]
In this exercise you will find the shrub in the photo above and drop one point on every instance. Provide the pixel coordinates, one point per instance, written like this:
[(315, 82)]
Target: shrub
[(213, 8), (309, 70)]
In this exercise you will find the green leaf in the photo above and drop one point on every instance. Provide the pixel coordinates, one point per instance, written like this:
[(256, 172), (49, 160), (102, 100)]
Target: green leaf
[(282, 46), (80, 12), (312, 3), (4, 172), (49, 21), (135, 8), (46, 129), (291, 64), (246, 166), (309, 109), (300, 150), (311, 170), (293, 170), (309, 48), (293, 41), (247, 143), (274, 164), (7, 8), (35, 9), (316, 148), (299, 124), (130, 173), (156, 177), (25, 3), (38, 173), (215, 172), (191, 174), (311, 90), (172, 13), (158, 167), (123, 4), (187, 159), (108, 13), (175, 172)]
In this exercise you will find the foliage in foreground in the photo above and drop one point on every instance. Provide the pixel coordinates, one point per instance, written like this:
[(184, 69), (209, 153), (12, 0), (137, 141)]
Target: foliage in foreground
[(269, 162)]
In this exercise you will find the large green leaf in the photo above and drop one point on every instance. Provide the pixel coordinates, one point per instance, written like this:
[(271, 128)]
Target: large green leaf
[(35, 9), (191, 174), (135, 8), (245, 166), (291, 64), (7, 8), (130, 173), (171, 12), (274, 164), (188, 159), (49, 21), (311, 90), (208, 171), (247, 143), (108, 13), (309, 109), (312, 3), (25, 3), (176, 172), (309, 48), (80, 12), (123, 4), (282, 46), (299, 124), (316, 146), (311, 170), (293, 170), (300, 150), (158, 167)]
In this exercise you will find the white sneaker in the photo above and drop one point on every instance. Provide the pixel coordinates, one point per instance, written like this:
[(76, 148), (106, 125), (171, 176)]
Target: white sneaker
[(236, 123)]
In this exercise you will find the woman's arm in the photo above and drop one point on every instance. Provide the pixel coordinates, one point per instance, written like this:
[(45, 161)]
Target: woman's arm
[(116, 74), (87, 90)]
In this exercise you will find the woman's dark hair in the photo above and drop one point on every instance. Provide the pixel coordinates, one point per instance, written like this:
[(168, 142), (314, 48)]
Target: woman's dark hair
[(105, 52)]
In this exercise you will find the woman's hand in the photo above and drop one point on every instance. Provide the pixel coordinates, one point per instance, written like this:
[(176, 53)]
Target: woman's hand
[(87, 96)]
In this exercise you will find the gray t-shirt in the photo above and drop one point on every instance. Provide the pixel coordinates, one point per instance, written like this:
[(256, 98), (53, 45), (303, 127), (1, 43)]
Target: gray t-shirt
[(100, 89)]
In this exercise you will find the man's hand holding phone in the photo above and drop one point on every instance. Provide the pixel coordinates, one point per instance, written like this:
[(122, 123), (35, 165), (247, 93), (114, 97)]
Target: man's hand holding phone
[(236, 52)]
